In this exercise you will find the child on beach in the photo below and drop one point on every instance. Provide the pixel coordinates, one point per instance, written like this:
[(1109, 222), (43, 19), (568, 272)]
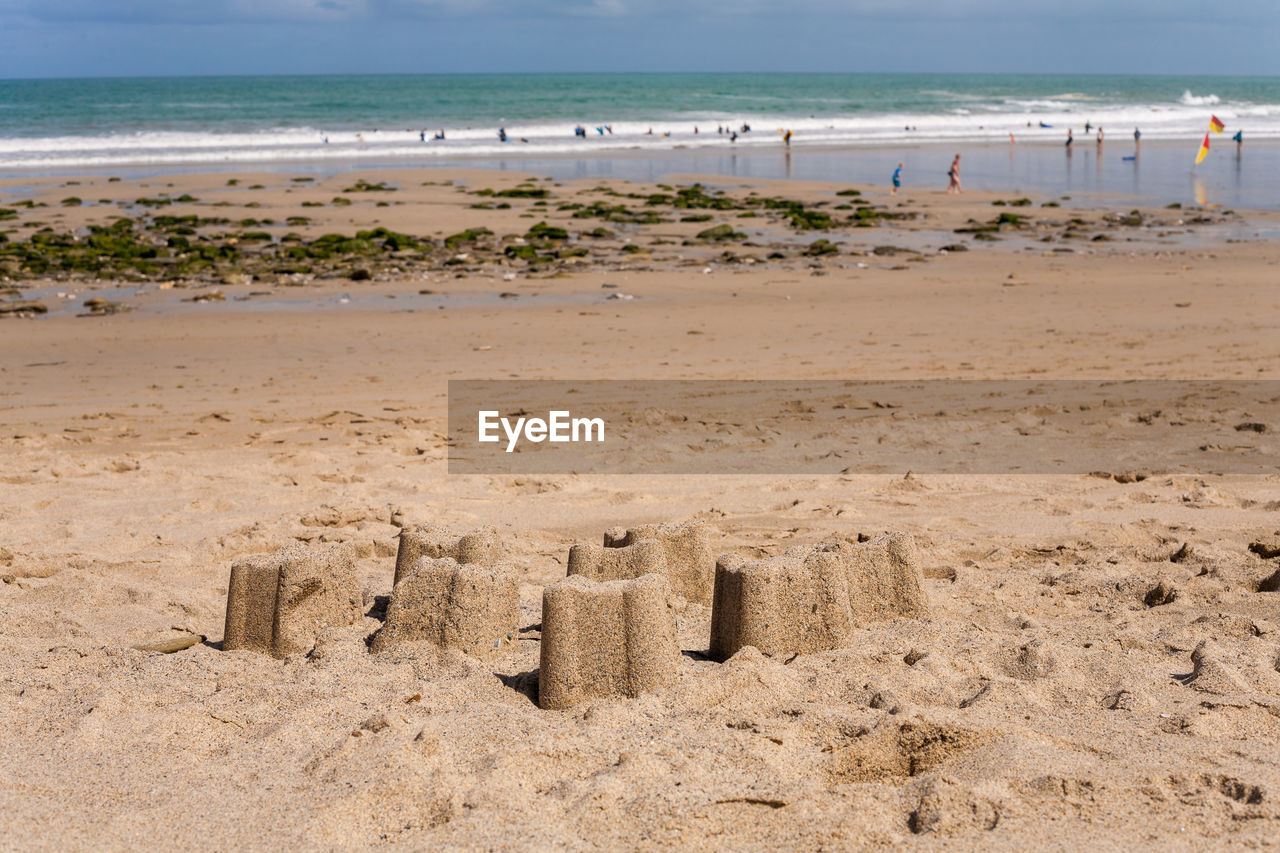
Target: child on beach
[(954, 174), (897, 180)]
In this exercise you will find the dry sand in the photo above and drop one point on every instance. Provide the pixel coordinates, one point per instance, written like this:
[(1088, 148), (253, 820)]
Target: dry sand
[(1100, 666)]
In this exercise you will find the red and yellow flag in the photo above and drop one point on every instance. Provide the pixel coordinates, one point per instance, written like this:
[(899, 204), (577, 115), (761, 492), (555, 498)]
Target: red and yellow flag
[(1215, 124), (1204, 150)]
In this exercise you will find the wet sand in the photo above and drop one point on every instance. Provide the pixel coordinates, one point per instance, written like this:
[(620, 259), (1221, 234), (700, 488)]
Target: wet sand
[(1049, 699)]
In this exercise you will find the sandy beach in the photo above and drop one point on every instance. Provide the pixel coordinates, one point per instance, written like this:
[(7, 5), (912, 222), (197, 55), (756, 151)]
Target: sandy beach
[(247, 383)]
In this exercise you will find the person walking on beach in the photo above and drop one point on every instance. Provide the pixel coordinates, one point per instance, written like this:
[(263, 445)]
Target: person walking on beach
[(1137, 137), (1239, 140), (897, 180), (786, 138), (1099, 135), (1070, 139), (954, 174)]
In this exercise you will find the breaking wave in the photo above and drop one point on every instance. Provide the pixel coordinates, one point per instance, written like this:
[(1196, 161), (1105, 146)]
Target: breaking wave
[(1191, 100)]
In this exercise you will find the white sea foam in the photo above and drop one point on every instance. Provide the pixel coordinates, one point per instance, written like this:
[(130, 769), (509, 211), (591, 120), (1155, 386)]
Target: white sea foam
[(1198, 100), (1183, 118)]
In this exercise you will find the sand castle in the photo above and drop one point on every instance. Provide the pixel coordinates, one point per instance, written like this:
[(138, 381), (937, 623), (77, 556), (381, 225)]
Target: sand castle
[(812, 599), (481, 546), (608, 628), (646, 557), (278, 603), (602, 639), (467, 607), (691, 563), (681, 552)]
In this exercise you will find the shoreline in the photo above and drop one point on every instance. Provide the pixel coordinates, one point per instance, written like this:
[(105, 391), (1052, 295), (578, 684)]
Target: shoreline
[(1042, 167)]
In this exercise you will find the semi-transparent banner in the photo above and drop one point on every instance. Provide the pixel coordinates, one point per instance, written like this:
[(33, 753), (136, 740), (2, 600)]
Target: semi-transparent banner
[(863, 427)]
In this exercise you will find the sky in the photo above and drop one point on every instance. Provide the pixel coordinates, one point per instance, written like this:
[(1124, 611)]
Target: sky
[(93, 38)]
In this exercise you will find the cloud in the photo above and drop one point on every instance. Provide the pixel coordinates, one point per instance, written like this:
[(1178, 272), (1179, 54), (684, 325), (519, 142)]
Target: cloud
[(523, 8), (179, 11), (607, 7), (299, 10), (818, 13)]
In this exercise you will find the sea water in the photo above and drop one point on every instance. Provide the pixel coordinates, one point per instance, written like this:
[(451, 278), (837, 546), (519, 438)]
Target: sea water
[(631, 119)]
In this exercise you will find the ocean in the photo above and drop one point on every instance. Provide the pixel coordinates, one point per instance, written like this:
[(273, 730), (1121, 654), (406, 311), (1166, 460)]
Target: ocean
[(65, 125)]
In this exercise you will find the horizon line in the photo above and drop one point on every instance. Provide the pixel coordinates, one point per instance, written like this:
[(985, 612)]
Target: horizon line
[(234, 76)]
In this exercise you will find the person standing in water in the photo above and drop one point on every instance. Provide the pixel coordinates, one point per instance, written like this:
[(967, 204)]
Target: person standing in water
[(897, 180), (1099, 135), (954, 174), (1137, 137), (1239, 140), (1070, 139)]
